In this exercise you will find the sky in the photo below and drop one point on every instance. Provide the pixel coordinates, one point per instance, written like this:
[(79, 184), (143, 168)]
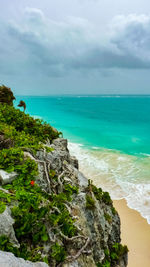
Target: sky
[(75, 46)]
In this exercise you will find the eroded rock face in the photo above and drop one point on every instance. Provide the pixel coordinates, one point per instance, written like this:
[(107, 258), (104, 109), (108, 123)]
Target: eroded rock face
[(94, 223), (100, 226), (7, 259), (60, 161), (6, 227)]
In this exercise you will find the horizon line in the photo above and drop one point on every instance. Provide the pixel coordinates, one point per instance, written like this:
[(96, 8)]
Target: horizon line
[(83, 95)]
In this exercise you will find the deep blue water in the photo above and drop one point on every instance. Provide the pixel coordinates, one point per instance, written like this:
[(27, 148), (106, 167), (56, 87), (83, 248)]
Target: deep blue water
[(120, 123)]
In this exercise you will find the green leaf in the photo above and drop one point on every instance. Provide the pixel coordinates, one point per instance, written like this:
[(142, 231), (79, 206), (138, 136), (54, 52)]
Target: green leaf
[(2, 207), (44, 237)]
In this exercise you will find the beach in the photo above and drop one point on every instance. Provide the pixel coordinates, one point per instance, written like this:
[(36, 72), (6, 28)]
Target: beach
[(135, 233)]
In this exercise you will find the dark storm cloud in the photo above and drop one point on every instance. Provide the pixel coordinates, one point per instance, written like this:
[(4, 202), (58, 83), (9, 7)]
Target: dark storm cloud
[(54, 48), (72, 55)]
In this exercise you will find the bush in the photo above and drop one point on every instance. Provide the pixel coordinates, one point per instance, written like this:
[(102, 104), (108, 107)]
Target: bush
[(58, 253), (24, 122), (90, 202), (113, 255), (108, 217), (31, 207), (106, 198)]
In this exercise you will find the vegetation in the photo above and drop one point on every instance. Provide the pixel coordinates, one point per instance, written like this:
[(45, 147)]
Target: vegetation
[(114, 212), (32, 208), (16, 122), (99, 194), (41, 217), (90, 202), (108, 217), (113, 255)]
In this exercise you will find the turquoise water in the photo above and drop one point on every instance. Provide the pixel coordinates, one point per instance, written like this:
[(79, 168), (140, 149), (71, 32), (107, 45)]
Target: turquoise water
[(111, 138), (120, 123)]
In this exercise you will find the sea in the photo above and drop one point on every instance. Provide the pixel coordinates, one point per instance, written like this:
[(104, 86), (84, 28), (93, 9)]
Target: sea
[(110, 136)]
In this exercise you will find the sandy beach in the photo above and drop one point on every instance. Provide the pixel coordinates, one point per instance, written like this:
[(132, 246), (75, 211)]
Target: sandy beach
[(135, 233)]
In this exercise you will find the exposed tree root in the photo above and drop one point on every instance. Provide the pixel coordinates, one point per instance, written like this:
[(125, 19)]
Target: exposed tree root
[(6, 191), (54, 236), (71, 238), (73, 258), (27, 154)]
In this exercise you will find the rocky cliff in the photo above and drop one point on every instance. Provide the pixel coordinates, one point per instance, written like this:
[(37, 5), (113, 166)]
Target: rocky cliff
[(50, 214)]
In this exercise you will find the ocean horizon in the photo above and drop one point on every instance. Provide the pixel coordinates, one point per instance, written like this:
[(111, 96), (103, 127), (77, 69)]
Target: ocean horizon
[(109, 135)]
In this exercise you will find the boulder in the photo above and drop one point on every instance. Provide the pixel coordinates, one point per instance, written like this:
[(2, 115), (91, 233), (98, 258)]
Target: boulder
[(6, 227), (7, 259), (7, 178)]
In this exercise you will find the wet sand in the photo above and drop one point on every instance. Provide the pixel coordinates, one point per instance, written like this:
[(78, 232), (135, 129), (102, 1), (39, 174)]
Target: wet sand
[(135, 233)]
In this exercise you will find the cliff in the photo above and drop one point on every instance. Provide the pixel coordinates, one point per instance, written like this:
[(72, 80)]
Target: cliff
[(50, 214)]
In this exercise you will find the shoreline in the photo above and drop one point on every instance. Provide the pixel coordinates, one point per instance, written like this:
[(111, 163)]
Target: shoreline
[(135, 233), (118, 173)]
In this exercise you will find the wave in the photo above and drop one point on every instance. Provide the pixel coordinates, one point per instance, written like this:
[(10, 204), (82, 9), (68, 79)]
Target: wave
[(122, 175), (37, 117)]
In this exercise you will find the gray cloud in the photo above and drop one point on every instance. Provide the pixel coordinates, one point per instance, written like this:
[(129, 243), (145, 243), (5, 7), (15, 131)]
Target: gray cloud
[(38, 46), (49, 46), (56, 47), (131, 34)]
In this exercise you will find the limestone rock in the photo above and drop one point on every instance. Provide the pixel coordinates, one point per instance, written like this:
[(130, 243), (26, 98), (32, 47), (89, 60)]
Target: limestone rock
[(91, 223), (61, 143), (83, 261), (94, 224), (6, 226), (83, 181), (7, 259), (74, 162), (60, 161), (6, 178)]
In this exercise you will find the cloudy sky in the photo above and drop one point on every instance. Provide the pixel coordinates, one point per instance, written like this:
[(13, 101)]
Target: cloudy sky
[(75, 46)]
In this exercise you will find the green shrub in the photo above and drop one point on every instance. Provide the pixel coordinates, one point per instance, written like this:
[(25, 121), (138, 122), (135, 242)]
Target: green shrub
[(97, 192), (108, 217), (113, 211), (58, 253), (10, 158), (31, 206), (24, 122), (90, 202), (6, 198), (105, 264), (2, 207), (70, 190), (117, 251), (106, 198), (113, 255), (22, 252)]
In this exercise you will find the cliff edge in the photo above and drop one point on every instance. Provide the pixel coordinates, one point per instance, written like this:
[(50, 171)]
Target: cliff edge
[(50, 214)]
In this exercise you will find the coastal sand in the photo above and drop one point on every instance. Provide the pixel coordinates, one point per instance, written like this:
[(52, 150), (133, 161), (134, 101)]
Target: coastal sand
[(135, 233)]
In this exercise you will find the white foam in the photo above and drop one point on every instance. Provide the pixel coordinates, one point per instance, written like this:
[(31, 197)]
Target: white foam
[(122, 175), (37, 117), (138, 198), (95, 147), (85, 158)]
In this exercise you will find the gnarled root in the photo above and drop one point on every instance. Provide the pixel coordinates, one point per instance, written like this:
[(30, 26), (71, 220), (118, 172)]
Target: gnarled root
[(73, 258)]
